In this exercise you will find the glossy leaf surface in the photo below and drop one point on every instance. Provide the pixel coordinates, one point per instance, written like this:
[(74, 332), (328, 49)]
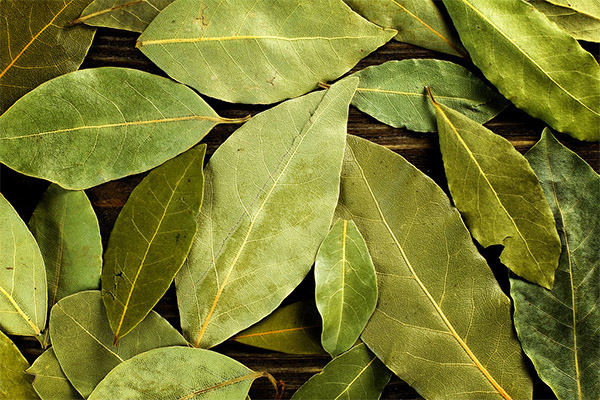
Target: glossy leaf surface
[(130, 15), (83, 341), (14, 382), (577, 24), (50, 381), (499, 196), (345, 286), (553, 79), (95, 125), (23, 294), (559, 328), (260, 51), (440, 312), (270, 194), (37, 44), (151, 238)]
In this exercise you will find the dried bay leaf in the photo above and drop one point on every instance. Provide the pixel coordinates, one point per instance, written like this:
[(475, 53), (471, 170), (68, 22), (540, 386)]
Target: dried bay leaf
[(151, 238), (589, 7), (258, 52), (96, 125), (552, 78), (131, 15), (14, 382), (559, 328), (50, 381), (577, 24), (345, 286), (270, 194), (440, 312), (499, 196), (23, 293), (83, 341)]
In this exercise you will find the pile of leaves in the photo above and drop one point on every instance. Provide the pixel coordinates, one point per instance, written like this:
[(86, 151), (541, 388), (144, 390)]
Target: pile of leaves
[(400, 286)]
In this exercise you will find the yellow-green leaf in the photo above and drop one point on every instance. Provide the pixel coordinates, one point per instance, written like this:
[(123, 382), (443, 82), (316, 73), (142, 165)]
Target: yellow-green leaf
[(131, 15), (577, 24), (50, 381), (14, 382)]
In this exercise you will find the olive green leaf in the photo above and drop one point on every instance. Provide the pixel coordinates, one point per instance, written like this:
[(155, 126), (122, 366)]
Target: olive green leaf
[(559, 328), (591, 8), (258, 52), (23, 294), (14, 382), (37, 45), (95, 125), (577, 24), (552, 78), (440, 312), (293, 329), (83, 342), (355, 374), (131, 15), (50, 381), (178, 373), (270, 194), (419, 22), (151, 238), (345, 286), (499, 196), (393, 92)]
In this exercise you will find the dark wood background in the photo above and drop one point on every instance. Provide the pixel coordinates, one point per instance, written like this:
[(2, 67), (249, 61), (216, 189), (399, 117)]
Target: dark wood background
[(117, 48)]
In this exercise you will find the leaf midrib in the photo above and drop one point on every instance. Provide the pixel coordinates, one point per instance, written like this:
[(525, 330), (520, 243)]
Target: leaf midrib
[(20, 311), (251, 37), (362, 371)]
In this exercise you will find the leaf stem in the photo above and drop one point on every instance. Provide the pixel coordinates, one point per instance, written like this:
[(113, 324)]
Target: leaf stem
[(324, 85), (430, 94), (234, 120)]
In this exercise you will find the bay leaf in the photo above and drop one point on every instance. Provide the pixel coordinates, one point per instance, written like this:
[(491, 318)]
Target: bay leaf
[(100, 124), (577, 24), (258, 52), (50, 382), (355, 374), (82, 339), (553, 79), (23, 294), (440, 312), (393, 93), (292, 329), (37, 44), (270, 193), (591, 8), (130, 15), (151, 238), (418, 22), (345, 286), (14, 382), (559, 328), (499, 196)]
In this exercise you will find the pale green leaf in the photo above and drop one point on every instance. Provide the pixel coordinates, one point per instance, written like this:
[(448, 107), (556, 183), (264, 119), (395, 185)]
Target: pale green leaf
[(131, 15), (577, 24), (50, 381), (14, 382), (589, 7)]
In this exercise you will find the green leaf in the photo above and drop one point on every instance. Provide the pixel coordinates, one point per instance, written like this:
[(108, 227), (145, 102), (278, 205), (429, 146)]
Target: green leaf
[(394, 93), (37, 44), (151, 239), (82, 339), (591, 8), (14, 382), (50, 381), (270, 194), (499, 196), (577, 24), (23, 294), (551, 78), (356, 374), (418, 22), (258, 52), (440, 312), (559, 328), (293, 329), (131, 15), (95, 125), (345, 286)]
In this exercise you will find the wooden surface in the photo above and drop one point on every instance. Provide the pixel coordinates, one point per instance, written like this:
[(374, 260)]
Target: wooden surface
[(116, 48)]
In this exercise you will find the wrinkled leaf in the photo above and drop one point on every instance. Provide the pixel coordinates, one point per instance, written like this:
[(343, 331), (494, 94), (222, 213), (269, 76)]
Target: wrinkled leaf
[(95, 125), (14, 382), (23, 294), (259, 51), (130, 15), (418, 22), (83, 341), (559, 328), (440, 312), (293, 329), (532, 62), (499, 196), (37, 45), (394, 93), (151, 238), (345, 286), (270, 194), (577, 24), (356, 374), (50, 381)]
